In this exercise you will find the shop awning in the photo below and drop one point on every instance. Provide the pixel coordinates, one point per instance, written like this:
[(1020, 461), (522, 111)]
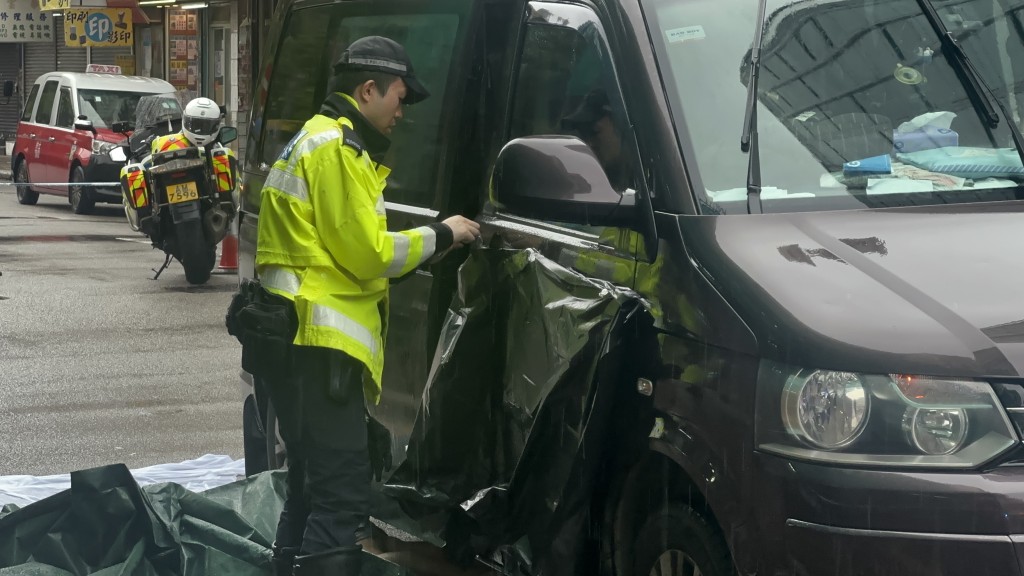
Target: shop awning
[(138, 16)]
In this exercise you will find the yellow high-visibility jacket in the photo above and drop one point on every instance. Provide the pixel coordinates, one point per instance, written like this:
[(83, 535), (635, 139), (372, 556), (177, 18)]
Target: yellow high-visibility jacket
[(323, 240)]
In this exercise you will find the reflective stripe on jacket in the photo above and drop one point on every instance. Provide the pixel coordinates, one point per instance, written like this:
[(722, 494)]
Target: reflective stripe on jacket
[(323, 242)]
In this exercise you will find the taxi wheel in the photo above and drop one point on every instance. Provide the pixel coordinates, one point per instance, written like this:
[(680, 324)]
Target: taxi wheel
[(25, 194), (80, 199)]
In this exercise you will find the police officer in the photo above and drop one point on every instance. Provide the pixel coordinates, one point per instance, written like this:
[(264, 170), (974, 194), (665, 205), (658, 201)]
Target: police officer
[(200, 125), (323, 244)]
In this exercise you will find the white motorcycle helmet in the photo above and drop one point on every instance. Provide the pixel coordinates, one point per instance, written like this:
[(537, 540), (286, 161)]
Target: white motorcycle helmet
[(201, 121)]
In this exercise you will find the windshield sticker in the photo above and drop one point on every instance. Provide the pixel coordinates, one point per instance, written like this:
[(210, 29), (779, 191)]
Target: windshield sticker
[(685, 33)]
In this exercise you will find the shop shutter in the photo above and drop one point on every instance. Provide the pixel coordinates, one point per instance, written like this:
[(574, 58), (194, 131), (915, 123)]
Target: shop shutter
[(40, 58), (110, 56), (10, 66)]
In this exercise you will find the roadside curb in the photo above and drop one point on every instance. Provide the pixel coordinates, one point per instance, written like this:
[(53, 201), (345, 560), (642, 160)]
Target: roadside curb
[(5, 174)]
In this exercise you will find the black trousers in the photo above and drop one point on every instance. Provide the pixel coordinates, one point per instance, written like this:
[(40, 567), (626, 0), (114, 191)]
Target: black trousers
[(322, 417)]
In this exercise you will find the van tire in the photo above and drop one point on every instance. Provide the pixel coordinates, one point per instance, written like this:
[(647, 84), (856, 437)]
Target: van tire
[(25, 194), (674, 539), (81, 200)]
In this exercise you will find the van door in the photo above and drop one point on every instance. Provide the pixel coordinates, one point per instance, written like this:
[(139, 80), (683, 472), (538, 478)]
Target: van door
[(566, 84), (66, 139), (435, 36), (40, 165)]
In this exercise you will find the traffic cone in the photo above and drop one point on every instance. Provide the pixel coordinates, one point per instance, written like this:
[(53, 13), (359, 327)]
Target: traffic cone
[(229, 252)]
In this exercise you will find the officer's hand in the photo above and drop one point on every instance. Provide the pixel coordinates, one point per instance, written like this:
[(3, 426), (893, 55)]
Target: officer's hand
[(464, 230)]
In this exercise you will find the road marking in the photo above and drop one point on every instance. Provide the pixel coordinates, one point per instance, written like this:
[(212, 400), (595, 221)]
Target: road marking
[(136, 240)]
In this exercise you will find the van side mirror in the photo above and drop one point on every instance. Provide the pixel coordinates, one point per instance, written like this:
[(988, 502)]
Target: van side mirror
[(558, 178), (83, 123), (122, 127), (228, 134), (8, 88)]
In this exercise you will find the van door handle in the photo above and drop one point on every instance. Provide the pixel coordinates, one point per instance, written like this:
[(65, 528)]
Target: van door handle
[(52, 139), (31, 135)]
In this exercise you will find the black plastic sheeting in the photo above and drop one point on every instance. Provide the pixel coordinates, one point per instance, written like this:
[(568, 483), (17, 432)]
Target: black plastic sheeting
[(509, 434), (106, 524)]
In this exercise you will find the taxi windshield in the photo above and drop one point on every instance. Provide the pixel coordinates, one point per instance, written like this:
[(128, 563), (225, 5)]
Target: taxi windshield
[(859, 105), (104, 107)]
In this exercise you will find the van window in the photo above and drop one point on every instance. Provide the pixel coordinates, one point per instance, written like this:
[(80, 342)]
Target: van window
[(313, 40), (567, 86), (65, 109), (45, 110), (26, 115)]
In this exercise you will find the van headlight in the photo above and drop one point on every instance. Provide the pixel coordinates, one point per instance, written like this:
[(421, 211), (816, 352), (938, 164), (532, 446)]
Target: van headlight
[(891, 420), (827, 409)]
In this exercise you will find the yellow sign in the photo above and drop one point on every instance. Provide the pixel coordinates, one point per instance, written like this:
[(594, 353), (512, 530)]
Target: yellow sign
[(98, 27), (46, 5), (127, 64)]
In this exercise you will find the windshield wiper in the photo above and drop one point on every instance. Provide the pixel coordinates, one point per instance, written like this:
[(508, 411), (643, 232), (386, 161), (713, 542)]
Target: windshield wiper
[(962, 65), (748, 141), (979, 92)]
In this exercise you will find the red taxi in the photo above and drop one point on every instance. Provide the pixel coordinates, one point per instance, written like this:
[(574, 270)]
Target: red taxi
[(65, 140)]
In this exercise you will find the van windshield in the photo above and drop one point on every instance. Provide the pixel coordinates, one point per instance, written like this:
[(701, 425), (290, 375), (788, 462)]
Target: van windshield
[(104, 107), (857, 104)]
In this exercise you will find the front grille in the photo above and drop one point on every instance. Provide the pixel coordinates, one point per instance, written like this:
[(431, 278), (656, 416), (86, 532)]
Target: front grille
[(1011, 395)]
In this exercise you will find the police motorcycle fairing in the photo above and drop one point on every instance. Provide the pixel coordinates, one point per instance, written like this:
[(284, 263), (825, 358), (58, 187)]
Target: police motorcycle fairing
[(181, 198)]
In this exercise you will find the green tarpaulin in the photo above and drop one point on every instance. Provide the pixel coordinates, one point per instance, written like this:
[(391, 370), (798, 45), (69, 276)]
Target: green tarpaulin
[(106, 524)]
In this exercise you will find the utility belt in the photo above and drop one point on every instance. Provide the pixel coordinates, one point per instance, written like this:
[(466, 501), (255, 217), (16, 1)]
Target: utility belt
[(265, 324)]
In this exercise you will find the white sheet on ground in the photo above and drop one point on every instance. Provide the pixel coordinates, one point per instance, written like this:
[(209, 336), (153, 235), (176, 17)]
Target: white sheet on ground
[(207, 471)]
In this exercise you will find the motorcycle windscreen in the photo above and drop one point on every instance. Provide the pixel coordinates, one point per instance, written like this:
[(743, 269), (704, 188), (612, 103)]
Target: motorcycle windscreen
[(508, 437)]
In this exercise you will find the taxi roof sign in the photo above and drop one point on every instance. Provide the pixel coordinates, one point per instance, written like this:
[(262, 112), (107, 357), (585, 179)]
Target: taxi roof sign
[(103, 69)]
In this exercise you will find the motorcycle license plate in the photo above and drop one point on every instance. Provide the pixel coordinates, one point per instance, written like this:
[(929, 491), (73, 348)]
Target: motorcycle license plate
[(182, 192)]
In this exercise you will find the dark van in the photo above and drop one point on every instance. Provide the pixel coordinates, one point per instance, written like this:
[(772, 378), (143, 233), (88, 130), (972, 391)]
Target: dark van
[(818, 203)]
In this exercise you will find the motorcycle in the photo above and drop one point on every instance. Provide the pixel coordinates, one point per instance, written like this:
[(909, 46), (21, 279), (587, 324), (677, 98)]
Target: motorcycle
[(181, 199)]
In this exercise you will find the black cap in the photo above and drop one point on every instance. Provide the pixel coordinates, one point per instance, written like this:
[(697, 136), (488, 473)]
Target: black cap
[(594, 107), (381, 54)]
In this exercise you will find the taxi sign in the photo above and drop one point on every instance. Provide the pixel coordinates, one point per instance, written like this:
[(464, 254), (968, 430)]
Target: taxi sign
[(103, 69)]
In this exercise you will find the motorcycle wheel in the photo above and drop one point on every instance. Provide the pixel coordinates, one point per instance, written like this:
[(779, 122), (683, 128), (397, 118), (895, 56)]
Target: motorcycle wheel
[(197, 257)]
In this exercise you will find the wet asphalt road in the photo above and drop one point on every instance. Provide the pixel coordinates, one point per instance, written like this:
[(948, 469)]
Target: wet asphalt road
[(99, 363)]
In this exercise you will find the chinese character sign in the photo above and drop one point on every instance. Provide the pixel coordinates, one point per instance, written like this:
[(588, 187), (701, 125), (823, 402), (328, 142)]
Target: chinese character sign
[(45, 5), (98, 27), (23, 21)]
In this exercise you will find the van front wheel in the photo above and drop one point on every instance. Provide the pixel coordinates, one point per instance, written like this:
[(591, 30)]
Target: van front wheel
[(677, 541)]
